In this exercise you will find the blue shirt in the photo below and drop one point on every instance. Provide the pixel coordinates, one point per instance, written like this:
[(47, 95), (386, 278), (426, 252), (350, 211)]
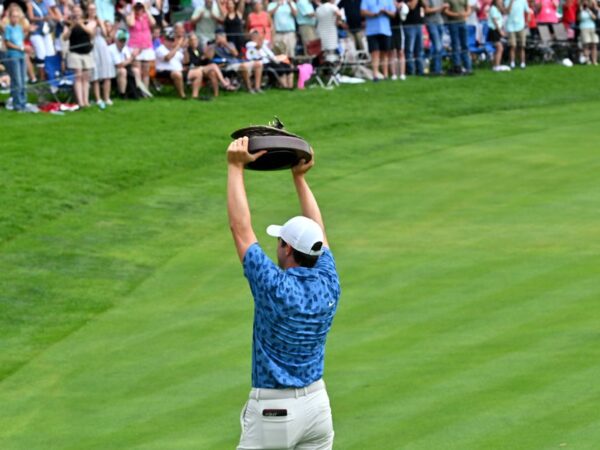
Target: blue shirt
[(283, 19), (305, 7), (515, 20), (293, 312), (379, 24), (15, 35)]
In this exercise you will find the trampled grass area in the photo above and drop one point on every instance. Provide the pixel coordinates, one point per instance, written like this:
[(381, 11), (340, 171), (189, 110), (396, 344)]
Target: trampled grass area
[(463, 214)]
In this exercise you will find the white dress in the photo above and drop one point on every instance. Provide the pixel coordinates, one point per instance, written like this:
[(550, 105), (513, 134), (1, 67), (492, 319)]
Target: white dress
[(104, 67)]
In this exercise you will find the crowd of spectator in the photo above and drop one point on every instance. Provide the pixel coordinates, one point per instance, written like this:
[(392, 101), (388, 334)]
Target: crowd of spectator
[(132, 48)]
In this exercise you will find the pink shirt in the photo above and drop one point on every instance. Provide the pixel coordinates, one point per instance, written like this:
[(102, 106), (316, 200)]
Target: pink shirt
[(547, 12), (140, 34)]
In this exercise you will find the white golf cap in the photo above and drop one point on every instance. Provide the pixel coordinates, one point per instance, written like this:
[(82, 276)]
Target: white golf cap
[(300, 232)]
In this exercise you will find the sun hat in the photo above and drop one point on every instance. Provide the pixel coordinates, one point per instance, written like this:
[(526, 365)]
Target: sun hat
[(301, 233)]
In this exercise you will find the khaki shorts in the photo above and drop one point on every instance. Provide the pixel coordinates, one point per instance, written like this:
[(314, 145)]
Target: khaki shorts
[(289, 40), (299, 421), (77, 61), (517, 38), (588, 36), (307, 34)]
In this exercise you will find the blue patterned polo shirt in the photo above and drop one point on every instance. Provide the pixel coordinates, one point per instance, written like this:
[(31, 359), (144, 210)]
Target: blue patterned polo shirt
[(293, 312)]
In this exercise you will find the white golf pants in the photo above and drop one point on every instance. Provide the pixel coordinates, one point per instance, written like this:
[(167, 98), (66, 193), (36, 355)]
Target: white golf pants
[(287, 419)]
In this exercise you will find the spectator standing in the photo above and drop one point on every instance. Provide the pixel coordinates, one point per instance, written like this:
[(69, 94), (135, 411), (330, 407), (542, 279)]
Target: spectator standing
[(104, 69), (517, 17), (456, 15), (307, 22), (140, 23), (397, 59), (435, 28), (41, 38), (328, 16), (14, 40), (283, 13), (105, 10), (547, 13), (64, 9), (354, 20), (587, 31), (377, 14), (80, 34), (413, 30), (259, 20), (206, 19), (233, 24), (496, 33)]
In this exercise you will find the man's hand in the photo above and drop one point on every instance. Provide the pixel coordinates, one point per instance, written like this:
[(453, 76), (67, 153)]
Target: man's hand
[(302, 167), (238, 155)]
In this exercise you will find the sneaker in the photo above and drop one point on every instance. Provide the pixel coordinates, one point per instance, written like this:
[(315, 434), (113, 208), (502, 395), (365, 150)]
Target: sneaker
[(109, 102), (251, 91), (101, 105), (402, 77), (31, 108), (512, 64), (204, 98), (523, 65), (260, 91)]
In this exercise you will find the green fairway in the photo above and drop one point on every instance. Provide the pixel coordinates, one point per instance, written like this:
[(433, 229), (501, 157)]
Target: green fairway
[(463, 214)]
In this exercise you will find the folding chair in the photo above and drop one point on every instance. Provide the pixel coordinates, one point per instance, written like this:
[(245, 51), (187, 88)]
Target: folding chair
[(60, 82), (327, 65), (545, 44)]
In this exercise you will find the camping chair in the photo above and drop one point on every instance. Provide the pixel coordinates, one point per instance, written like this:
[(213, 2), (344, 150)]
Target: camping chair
[(355, 61), (59, 82), (545, 44), (562, 43), (474, 47), (327, 65)]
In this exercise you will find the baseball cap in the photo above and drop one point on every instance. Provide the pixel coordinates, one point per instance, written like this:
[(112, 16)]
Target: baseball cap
[(122, 35), (300, 232)]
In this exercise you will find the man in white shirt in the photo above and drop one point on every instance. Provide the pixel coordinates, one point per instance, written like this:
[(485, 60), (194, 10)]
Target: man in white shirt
[(169, 62), (122, 58), (206, 19)]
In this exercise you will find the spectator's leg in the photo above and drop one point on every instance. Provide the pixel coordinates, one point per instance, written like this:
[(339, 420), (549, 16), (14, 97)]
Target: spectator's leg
[(106, 89), (96, 89), (385, 58), (145, 69), (595, 52), (195, 76), (177, 78), (393, 62), (137, 74), (214, 82), (21, 75), (375, 63), (454, 43), (419, 50), (122, 80), (13, 68), (464, 46), (410, 45), (244, 70), (29, 55), (86, 75), (78, 87), (258, 70), (498, 54), (435, 47), (512, 42)]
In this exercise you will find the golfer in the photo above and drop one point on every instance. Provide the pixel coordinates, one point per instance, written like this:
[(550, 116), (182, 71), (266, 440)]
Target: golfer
[(295, 301)]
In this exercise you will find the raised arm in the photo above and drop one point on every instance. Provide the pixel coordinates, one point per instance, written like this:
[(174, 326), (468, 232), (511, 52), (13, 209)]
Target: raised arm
[(237, 201), (308, 202)]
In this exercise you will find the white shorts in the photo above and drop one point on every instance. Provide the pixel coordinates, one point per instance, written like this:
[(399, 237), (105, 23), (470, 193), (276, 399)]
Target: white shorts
[(146, 54), (287, 419), (43, 47)]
